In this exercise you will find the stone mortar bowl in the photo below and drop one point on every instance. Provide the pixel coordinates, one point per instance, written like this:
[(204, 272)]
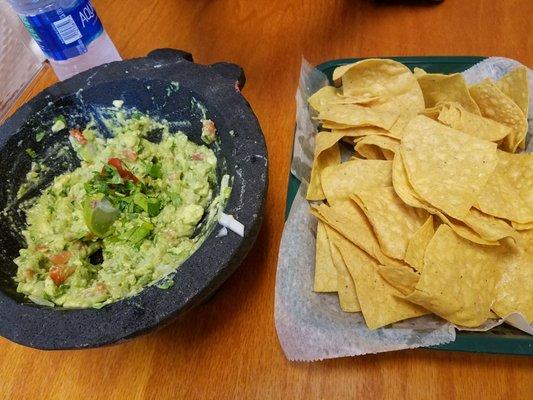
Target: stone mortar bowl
[(165, 84)]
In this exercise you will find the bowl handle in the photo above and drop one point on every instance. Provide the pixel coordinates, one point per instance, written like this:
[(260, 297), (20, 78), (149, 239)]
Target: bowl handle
[(168, 54), (231, 71)]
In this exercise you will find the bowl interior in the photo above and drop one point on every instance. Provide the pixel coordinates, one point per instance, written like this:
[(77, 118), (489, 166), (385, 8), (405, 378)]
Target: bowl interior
[(161, 99)]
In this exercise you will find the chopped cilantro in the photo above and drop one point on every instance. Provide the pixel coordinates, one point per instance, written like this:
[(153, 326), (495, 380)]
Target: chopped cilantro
[(40, 136), (165, 283), (31, 153), (154, 170)]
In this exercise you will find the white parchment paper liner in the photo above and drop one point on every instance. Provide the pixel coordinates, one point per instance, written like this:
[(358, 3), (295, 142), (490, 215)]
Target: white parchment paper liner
[(311, 326)]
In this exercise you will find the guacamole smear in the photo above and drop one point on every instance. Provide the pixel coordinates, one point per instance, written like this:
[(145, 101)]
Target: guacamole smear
[(126, 218)]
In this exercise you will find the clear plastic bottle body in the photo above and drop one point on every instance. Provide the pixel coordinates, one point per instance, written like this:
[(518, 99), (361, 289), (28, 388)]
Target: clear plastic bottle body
[(93, 51)]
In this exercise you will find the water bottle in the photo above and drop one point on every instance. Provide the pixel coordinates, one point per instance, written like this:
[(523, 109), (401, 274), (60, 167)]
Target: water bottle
[(69, 33)]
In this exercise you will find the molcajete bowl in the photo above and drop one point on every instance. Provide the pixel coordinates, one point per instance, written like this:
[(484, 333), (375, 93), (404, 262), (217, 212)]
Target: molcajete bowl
[(166, 84)]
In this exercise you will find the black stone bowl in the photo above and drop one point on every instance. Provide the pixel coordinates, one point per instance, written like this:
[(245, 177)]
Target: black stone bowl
[(146, 84)]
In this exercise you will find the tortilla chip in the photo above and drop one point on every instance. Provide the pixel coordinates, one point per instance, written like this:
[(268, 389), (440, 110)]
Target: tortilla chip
[(340, 181), (329, 96), (370, 153), (346, 288), (384, 146), (390, 81), (414, 255), (350, 222), (456, 117), (509, 192), (494, 104), (514, 85), (488, 227), (465, 231), (402, 278), (339, 72), (439, 88), (325, 272), (404, 190), (368, 131), (433, 112), (379, 301), (418, 72), (393, 222), (326, 153), (324, 96), (514, 291), (354, 115), (401, 184), (458, 279), (521, 227), (447, 169)]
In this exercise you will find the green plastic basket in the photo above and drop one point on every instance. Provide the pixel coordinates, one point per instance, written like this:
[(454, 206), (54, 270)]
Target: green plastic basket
[(503, 339)]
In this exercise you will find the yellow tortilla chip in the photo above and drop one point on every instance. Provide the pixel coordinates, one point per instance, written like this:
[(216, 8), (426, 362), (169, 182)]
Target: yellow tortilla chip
[(458, 279), (325, 272), (514, 291), (339, 72), (326, 153), (401, 184), (402, 278), (465, 231), (498, 107), (324, 96), (340, 181), (439, 88), (329, 96), (370, 153), (346, 288), (354, 115), (368, 131), (404, 190), (391, 82), (379, 301), (335, 126), (447, 169), (393, 222), (376, 144), (509, 192), (514, 85), (521, 227), (456, 117), (418, 72), (433, 112), (350, 222), (414, 255), (488, 227)]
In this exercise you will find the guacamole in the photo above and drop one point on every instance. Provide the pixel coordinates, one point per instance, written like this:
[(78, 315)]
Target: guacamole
[(126, 218)]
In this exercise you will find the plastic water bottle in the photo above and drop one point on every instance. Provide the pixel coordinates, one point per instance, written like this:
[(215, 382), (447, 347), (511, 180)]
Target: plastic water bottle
[(69, 33)]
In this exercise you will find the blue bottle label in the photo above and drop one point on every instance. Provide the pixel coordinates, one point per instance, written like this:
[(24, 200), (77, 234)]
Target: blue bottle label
[(65, 33)]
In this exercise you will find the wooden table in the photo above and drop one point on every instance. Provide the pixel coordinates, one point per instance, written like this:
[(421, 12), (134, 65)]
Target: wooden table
[(228, 348)]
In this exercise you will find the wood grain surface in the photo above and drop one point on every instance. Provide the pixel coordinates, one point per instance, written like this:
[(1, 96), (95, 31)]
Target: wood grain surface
[(228, 348)]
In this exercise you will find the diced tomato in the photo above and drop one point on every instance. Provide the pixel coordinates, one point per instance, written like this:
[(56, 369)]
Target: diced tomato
[(197, 157), (76, 134), (61, 258), (115, 162), (60, 273), (123, 172), (130, 154)]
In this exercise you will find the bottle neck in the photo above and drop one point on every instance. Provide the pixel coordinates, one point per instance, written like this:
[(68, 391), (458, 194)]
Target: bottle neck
[(36, 7)]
